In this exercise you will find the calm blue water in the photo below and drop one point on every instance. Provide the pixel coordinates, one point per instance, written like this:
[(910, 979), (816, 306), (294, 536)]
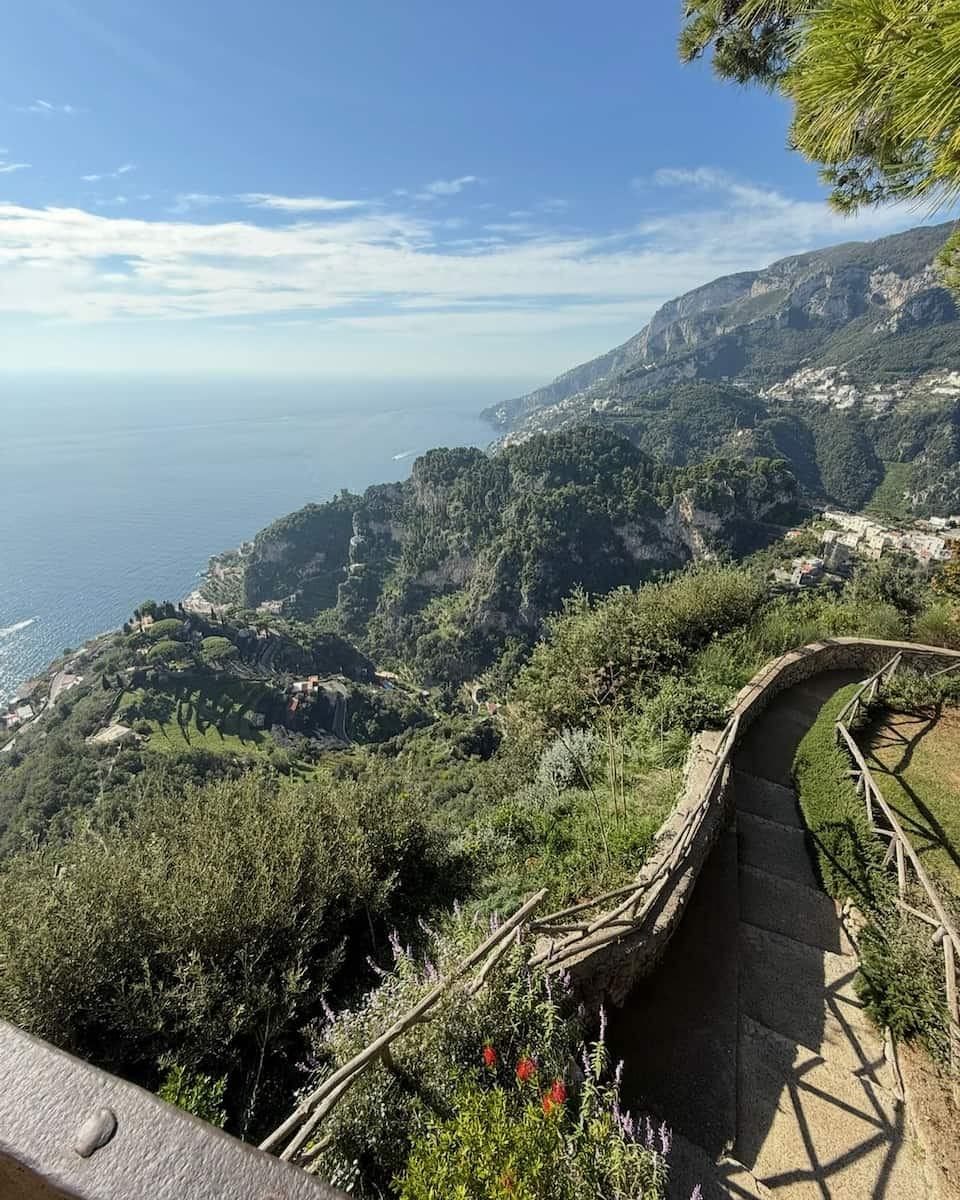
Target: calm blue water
[(113, 490)]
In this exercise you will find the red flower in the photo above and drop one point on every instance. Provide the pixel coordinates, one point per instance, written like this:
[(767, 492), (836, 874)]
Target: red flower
[(554, 1098), (489, 1057), (526, 1069)]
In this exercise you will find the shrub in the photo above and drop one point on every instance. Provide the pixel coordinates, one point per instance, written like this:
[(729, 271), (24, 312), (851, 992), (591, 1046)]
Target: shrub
[(569, 760), (530, 1136), (217, 649), (372, 1129), (621, 645), (208, 925), (170, 627), (201, 1095), (938, 625)]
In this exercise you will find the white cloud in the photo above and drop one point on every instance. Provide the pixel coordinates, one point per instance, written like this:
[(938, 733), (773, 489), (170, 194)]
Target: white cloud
[(6, 167), (44, 108), (392, 286), (447, 187), (125, 169), (298, 204), (186, 201)]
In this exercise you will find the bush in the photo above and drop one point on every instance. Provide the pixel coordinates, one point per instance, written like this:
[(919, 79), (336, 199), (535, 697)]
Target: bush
[(200, 1095), (938, 625), (373, 1128), (170, 627), (217, 649), (622, 645), (207, 926), (569, 760), (526, 1135)]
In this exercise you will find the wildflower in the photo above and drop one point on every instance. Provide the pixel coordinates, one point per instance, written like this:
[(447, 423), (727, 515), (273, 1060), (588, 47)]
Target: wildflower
[(648, 1137), (666, 1139), (526, 1069), (489, 1057), (558, 1092), (697, 1193)]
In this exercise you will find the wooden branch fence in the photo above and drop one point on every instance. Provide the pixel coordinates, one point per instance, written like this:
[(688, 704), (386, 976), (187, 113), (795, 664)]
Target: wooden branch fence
[(900, 850)]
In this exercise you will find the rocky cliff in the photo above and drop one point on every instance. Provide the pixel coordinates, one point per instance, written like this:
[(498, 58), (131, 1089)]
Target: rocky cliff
[(474, 550), (862, 329)]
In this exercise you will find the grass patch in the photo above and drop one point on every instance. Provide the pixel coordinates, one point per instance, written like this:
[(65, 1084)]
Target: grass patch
[(914, 760), (197, 711), (888, 500), (899, 982), (848, 853)]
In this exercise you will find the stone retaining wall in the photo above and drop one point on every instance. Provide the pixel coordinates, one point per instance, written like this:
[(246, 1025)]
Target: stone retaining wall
[(608, 970)]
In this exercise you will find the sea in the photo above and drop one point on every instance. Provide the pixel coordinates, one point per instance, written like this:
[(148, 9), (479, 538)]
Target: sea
[(118, 489)]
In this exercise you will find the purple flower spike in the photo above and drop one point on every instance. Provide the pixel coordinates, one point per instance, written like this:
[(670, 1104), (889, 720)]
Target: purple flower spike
[(327, 1011), (648, 1135), (666, 1139), (697, 1193), (603, 1025)]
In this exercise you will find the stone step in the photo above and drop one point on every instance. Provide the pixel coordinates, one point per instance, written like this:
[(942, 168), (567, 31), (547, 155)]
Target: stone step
[(807, 995), (764, 798), (776, 848), (677, 1030), (802, 913), (723, 1179), (808, 1128)]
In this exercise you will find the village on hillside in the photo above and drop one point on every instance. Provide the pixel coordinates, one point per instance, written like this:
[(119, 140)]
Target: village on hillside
[(846, 538)]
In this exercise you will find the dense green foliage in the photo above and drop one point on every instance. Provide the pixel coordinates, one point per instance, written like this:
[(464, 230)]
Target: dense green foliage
[(476, 550), (452, 1093), (873, 84), (206, 927)]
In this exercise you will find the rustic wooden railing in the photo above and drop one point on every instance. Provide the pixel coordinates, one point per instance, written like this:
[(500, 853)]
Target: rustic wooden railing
[(900, 850), (306, 1117), (566, 938)]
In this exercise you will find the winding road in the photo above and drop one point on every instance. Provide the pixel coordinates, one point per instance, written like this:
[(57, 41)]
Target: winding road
[(749, 1039)]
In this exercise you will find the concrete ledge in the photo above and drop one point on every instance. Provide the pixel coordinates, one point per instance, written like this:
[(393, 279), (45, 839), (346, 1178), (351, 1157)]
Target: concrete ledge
[(70, 1130)]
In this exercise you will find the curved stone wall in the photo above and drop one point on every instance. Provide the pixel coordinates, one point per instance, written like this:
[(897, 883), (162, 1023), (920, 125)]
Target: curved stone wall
[(604, 969)]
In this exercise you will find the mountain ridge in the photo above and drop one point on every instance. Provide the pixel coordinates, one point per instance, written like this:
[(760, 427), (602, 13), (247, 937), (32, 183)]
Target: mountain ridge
[(699, 334)]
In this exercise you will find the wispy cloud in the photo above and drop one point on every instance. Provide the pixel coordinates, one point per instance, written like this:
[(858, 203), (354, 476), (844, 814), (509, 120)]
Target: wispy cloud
[(447, 187), (45, 108), (185, 202), (396, 272), (124, 169), (7, 167), (298, 204)]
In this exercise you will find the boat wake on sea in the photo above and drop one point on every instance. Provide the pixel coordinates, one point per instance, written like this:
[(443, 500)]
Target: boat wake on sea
[(403, 454), (10, 630)]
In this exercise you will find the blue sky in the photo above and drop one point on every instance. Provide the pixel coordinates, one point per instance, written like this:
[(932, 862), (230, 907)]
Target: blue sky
[(373, 188)]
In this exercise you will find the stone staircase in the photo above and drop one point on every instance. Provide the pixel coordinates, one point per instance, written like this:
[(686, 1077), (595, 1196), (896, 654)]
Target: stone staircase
[(783, 1089)]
